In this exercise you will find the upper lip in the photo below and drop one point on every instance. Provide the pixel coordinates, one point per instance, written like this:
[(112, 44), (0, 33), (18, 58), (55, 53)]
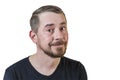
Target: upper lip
[(57, 43)]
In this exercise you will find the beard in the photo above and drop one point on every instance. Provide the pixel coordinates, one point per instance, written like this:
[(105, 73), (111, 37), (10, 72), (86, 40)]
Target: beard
[(59, 51)]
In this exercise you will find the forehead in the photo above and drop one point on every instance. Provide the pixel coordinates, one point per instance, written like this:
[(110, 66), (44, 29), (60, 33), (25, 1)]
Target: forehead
[(51, 17)]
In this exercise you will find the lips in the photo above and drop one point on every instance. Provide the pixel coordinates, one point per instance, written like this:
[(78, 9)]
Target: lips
[(59, 43)]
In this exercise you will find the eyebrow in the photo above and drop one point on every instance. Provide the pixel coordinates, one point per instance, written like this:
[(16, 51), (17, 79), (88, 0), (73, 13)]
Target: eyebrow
[(47, 25), (51, 24), (62, 23)]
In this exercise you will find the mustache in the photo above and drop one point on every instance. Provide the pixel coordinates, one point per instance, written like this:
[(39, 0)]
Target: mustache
[(57, 43)]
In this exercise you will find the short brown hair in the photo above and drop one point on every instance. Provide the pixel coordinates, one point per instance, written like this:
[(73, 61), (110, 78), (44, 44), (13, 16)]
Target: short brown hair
[(34, 21)]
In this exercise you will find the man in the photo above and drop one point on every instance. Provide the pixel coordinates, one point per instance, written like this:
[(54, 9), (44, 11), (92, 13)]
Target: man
[(49, 33)]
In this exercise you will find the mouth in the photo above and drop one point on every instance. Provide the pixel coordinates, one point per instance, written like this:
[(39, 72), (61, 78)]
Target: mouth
[(58, 44)]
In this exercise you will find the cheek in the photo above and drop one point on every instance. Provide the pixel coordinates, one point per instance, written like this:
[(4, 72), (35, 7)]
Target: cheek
[(44, 38), (66, 36), (47, 39)]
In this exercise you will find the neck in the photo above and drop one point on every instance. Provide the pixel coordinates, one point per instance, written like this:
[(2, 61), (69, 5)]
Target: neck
[(45, 61), (44, 64)]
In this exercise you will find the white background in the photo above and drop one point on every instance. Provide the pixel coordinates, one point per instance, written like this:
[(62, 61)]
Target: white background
[(94, 34)]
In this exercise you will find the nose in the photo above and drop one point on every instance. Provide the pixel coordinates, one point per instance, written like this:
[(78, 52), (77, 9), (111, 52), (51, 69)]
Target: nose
[(58, 35)]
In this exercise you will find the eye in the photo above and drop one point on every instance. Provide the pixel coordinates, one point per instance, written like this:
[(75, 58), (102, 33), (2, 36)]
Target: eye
[(63, 28), (50, 30)]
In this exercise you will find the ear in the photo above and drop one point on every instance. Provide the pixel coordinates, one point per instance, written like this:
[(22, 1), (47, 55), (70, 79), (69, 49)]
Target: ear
[(33, 36)]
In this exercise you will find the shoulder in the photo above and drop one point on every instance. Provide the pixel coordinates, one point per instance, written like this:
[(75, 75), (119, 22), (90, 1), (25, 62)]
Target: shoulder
[(71, 63), (14, 71), (18, 65), (74, 67)]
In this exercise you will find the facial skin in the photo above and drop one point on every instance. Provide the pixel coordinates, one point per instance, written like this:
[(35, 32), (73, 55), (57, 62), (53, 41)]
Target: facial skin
[(52, 36)]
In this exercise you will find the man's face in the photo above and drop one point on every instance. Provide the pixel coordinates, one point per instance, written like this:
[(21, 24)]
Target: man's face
[(52, 36)]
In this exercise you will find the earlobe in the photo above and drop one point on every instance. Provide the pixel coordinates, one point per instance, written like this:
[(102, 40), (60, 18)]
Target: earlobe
[(33, 36)]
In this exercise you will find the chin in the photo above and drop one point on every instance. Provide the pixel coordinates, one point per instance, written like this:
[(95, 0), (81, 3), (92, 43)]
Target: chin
[(59, 54), (56, 52)]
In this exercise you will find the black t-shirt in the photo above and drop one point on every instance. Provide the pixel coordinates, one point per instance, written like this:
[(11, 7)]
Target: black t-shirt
[(67, 69)]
